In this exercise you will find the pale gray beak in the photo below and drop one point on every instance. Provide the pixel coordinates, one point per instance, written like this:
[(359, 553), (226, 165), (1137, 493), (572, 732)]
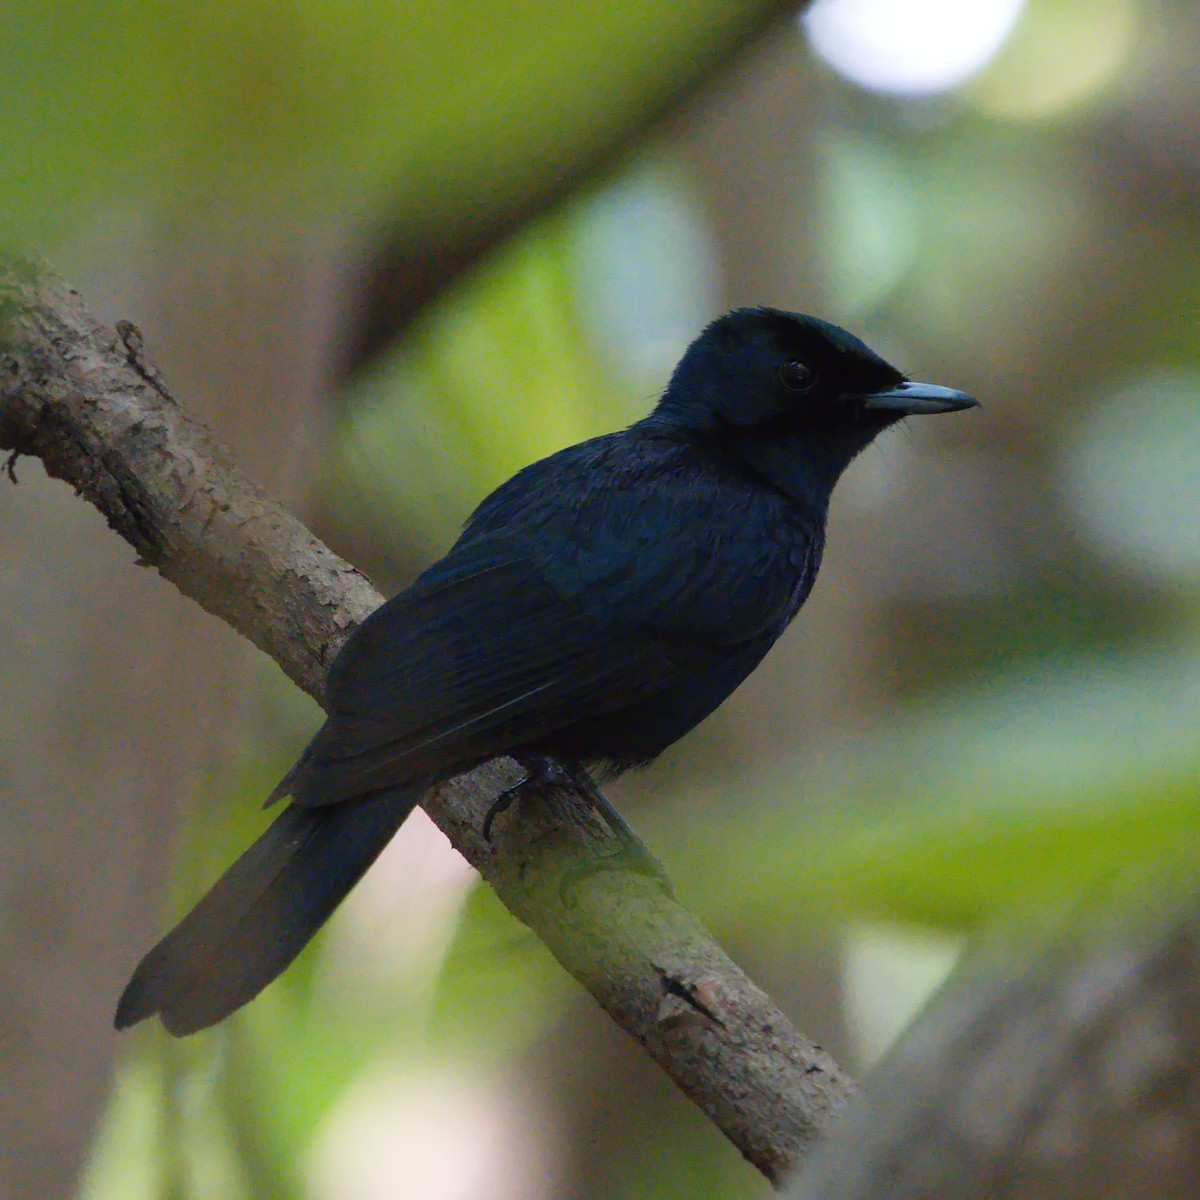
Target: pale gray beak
[(914, 399)]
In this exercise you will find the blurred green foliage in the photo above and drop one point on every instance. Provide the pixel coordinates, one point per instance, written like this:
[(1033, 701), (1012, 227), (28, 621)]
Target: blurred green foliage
[(1042, 790), (307, 110), (502, 375)]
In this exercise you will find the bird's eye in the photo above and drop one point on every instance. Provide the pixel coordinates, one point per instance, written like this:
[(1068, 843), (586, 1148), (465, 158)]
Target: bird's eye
[(796, 377)]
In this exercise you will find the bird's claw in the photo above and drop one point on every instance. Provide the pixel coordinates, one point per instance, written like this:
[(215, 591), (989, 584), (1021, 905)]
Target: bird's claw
[(502, 803), (539, 774)]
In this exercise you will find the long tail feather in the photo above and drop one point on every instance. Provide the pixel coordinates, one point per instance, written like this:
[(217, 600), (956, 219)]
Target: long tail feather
[(262, 912)]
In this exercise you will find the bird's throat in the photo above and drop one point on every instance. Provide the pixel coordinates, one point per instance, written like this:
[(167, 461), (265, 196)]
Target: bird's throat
[(799, 467)]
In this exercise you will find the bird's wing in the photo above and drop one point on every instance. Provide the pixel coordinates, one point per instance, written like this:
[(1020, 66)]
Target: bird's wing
[(582, 586), (480, 654)]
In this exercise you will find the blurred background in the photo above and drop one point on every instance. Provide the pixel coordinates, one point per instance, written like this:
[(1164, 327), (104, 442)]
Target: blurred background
[(392, 252)]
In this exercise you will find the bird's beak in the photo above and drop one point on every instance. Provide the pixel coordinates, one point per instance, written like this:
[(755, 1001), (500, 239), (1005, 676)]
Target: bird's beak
[(914, 399)]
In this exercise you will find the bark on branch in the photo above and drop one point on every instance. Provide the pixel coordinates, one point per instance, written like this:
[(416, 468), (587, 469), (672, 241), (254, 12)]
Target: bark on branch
[(87, 402)]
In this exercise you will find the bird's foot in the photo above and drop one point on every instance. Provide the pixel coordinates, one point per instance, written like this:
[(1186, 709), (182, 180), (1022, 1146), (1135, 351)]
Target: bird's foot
[(502, 803), (543, 773), (540, 773)]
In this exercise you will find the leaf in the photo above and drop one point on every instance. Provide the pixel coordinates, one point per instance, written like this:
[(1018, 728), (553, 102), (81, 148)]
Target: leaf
[(305, 109)]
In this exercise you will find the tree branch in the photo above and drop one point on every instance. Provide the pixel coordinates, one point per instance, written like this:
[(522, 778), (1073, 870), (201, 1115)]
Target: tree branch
[(88, 403), (1064, 1069)]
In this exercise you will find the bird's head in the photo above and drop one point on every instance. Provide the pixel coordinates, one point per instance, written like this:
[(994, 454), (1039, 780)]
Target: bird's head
[(787, 392)]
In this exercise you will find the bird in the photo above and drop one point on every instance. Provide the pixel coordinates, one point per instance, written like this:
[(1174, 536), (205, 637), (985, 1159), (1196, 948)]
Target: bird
[(595, 608)]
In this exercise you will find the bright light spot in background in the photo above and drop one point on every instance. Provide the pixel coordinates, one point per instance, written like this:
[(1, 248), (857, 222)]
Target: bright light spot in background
[(870, 223), (914, 47), (395, 929), (432, 1134), (646, 273), (889, 972), (1062, 56), (1133, 474)]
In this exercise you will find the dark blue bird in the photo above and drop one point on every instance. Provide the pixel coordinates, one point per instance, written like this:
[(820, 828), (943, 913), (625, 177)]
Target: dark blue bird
[(596, 607)]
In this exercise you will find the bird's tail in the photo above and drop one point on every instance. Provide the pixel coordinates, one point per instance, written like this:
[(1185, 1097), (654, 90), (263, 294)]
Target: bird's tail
[(262, 912)]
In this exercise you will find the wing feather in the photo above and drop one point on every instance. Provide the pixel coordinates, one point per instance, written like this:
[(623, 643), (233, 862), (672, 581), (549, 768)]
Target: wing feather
[(481, 651), (593, 582)]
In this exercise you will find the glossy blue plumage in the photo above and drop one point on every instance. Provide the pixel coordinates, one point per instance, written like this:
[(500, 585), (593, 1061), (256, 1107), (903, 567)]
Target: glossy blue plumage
[(597, 606)]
